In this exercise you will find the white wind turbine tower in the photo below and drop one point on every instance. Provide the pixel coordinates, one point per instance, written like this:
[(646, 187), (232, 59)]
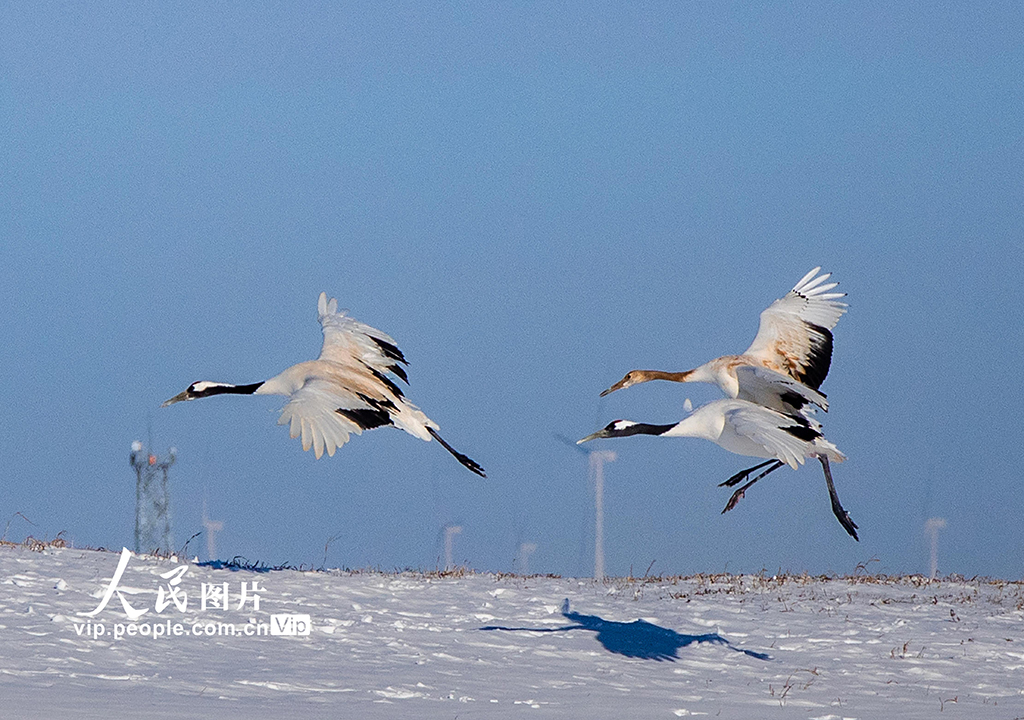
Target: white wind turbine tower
[(526, 549), (931, 528), (212, 527), (597, 460), (450, 531)]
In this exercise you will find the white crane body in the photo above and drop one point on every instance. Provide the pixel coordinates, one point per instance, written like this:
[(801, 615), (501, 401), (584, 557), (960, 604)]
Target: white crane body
[(347, 390), (743, 428)]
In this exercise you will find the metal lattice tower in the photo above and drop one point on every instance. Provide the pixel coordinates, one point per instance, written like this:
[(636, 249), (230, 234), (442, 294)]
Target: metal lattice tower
[(152, 499)]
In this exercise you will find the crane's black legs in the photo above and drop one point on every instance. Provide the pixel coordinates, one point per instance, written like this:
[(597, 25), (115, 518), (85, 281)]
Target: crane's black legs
[(743, 474), (468, 462), (738, 495), (844, 518), (837, 508)]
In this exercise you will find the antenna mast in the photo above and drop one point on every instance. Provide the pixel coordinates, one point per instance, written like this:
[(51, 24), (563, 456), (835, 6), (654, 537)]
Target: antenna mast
[(152, 499)]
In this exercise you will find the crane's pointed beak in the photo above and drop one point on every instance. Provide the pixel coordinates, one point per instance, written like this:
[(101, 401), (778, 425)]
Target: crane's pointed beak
[(617, 386), (592, 436), (183, 395)]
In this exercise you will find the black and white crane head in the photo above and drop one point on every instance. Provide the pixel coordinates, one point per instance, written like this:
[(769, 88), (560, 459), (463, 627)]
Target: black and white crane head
[(205, 388), (744, 428), (351, 387), (615, 429)]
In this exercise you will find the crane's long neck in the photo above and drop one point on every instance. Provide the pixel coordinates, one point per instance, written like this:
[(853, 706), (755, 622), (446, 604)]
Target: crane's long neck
[(206, 388), (648, 375), (714, 372), (698, 424), (628, 428)]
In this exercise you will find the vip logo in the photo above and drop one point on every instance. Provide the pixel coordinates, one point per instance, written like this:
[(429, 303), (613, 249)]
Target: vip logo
[(290, 625)]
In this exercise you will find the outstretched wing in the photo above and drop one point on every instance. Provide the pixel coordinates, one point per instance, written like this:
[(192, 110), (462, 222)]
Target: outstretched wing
[(777, 391), (347, 340), (312, 413), (324, 413), (795, 336), (785, 436), (351, 391)]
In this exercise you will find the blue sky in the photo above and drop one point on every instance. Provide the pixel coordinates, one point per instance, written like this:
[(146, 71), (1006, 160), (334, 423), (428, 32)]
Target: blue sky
[(531, 200)]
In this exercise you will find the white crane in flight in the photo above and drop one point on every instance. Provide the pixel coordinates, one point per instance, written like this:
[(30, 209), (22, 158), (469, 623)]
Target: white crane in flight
[(788, 360), (744, 428), (346, 390)]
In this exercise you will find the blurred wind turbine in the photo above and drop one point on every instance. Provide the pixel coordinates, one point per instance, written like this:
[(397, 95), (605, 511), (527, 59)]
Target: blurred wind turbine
[(450, 531), (931, 528), (212, 527), (597, 460), (526, 549)]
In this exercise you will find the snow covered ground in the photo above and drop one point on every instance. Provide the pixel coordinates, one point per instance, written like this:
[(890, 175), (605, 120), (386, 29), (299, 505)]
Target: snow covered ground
[(479, 645)]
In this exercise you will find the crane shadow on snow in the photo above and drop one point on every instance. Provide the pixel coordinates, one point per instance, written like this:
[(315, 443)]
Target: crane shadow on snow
[(637, 639)]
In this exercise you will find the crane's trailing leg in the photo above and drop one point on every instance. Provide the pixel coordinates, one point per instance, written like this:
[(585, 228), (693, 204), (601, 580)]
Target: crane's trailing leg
[(468, 462), (744, 474), (738, 495), (844, 518)]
